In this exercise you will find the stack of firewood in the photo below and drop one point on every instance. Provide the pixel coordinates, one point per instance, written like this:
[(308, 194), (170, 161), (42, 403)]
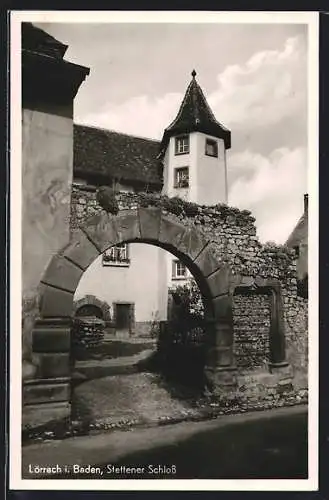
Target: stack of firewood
[(87, 332)]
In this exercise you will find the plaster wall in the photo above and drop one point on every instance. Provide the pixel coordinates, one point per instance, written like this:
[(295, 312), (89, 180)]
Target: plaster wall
[(207, 174), (47, 151), (140, 283), (211, 175), (173, 161)]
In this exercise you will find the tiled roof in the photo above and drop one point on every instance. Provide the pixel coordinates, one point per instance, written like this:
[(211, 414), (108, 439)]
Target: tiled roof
[(195, 115), (111, 155), (300, 233), (36, 40)]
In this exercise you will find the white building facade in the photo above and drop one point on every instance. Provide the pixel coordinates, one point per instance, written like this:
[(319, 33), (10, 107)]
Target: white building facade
[(134, 279)]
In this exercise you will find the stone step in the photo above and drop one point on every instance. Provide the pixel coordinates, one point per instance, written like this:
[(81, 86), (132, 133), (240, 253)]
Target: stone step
[(93, 369), (112, 348), (36, 415)]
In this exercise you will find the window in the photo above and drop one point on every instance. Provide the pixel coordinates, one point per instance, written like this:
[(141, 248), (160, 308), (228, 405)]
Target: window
[(182, 145), (181, 177), (211, 148), (116, 256), (179, 270)]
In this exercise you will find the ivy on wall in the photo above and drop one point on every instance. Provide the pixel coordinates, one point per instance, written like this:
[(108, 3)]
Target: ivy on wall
[(109, 200)]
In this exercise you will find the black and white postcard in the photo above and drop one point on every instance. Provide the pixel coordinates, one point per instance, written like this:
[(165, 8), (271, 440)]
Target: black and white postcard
[(164, 283)]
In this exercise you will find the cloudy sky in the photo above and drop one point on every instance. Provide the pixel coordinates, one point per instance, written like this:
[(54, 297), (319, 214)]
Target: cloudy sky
[(254, 77)]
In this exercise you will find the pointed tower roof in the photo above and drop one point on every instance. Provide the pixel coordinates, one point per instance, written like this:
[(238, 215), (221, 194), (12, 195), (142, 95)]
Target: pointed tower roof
[(195, 115)]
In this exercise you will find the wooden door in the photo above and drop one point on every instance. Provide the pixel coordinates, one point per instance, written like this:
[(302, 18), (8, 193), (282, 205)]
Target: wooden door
[(123, 319)]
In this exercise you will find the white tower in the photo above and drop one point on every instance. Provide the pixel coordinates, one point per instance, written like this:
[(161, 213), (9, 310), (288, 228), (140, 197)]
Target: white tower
[(193, 151)]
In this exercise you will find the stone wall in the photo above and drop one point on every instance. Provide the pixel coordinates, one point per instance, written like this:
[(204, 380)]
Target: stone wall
[(296, 328), (234, 241), (83, 204), (233, 231), (91, 300)]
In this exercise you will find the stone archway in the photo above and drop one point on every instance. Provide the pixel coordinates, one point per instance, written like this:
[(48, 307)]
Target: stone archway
[(101, 308), (51, 338)]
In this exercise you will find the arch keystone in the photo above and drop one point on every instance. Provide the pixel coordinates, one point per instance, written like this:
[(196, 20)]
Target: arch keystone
[(127, 225), (149, 220)]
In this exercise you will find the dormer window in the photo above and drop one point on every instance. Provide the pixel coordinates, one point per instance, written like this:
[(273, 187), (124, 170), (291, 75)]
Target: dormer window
[(181, 177), (211, 148), (182, 145)]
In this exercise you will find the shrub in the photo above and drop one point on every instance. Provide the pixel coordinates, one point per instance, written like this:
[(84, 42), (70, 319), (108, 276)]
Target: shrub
[(181, 343), (188, 298), (107, 200)]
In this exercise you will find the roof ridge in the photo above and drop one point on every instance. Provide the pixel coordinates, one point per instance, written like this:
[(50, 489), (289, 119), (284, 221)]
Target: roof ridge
[(181, 106), (195, 115), (117, 132), (209, 109), (194, 83), (303, 219)]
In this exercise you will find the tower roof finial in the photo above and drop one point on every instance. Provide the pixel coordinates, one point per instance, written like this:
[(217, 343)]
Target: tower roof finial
[(195, 115)]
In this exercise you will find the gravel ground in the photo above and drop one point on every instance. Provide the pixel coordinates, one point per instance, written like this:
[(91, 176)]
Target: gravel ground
[(147, 399), (135, 398)]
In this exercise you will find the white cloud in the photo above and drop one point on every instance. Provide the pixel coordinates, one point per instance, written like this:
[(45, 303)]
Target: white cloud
[(272, 188), (255, 96), (268, 87), (139, 115)]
